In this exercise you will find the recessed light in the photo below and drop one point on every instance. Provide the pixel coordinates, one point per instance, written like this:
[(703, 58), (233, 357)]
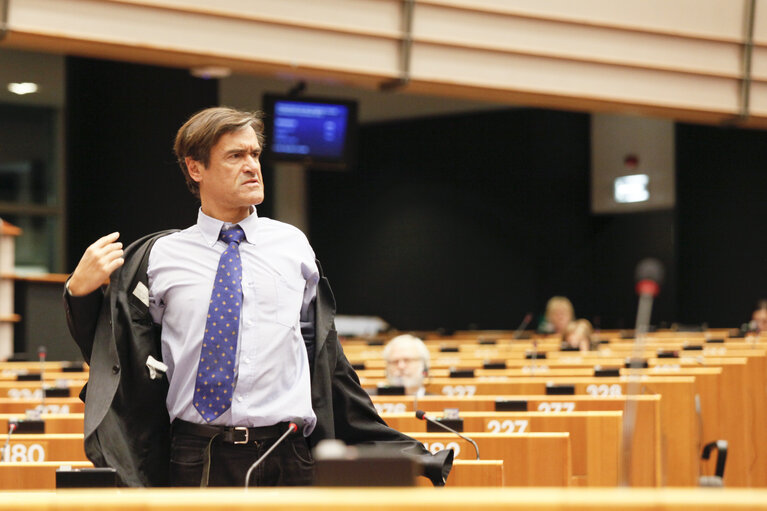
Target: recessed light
[(208, 72), (22, 88), (631, 188)]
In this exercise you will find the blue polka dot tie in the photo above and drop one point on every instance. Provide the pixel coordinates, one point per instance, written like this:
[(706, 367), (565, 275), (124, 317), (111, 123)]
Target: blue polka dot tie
[(215, 374)]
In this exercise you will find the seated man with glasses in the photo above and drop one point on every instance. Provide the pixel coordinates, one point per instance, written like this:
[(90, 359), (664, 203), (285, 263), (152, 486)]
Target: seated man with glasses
[(407, 363)]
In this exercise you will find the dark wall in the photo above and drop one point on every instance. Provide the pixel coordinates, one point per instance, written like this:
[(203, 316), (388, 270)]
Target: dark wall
[(466, 221), (459, 221), (474, 220), (721, 183), (619, 243), (27, 133), (121, 123), (43, 322)]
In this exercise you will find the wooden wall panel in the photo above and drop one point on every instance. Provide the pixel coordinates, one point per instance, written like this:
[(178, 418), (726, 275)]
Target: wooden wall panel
[(681, 59), (712, 19), (579, 42), (196, 33), (567, 78)]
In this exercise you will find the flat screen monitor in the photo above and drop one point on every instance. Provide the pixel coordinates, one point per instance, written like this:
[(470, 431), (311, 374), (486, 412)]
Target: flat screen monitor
[(318, 132)]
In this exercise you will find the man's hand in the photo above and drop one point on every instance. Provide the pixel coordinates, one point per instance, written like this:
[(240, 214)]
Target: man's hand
[(96, 265)]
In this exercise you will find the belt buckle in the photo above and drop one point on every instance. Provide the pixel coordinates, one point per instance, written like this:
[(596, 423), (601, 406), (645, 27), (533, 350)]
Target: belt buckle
[(247, 435)]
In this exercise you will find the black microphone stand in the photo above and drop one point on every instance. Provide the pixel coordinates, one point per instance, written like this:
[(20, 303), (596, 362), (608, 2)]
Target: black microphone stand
[(649, 274), (422, 415)]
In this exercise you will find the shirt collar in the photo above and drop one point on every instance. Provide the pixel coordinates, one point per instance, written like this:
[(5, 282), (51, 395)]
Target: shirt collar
[(211, 227)]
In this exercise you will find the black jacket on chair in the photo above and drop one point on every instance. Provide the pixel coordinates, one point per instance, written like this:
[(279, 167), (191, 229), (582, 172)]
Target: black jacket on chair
[(127, 426)]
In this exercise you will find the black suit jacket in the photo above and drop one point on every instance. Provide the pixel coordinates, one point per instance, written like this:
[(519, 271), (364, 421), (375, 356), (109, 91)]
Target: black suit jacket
[(126, 420)]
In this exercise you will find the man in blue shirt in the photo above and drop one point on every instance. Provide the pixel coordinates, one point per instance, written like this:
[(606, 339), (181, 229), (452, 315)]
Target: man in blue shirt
[(229, 323)]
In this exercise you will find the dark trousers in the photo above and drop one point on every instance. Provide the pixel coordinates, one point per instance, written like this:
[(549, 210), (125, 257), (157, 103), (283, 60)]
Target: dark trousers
[(290, 464)]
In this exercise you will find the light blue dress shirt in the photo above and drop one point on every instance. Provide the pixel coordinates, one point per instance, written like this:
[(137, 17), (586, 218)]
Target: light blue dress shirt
[(279, 283)]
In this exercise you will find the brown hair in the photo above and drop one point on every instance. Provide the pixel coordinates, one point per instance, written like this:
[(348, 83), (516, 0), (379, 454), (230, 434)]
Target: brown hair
[(201, 132)]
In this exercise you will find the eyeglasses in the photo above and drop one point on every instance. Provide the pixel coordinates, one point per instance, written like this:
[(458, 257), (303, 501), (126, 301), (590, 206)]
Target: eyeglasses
[(406, 361)]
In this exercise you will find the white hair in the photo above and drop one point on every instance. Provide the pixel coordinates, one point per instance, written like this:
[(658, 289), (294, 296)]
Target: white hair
[(411, 340)]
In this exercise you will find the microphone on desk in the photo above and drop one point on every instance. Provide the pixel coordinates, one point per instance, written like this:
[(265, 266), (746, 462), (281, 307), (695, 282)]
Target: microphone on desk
[(420, 414), (521, 328), (649, 276), (41, 353), (7, 447), (295, 425)]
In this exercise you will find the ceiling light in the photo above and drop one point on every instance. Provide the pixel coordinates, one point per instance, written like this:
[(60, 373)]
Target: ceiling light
[(208, 72), (632, 188), (22, 88)]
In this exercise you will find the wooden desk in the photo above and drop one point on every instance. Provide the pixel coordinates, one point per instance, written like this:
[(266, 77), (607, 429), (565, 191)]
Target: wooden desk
[(49, 376), (52, 405), (646, 468), (33, 476), (529, 459), (487, 473), (59, 447), (54, 423), (34, 367), (680, 438), (34, 389), (731, 406), (595, 437), (385, 499), (42, 476)]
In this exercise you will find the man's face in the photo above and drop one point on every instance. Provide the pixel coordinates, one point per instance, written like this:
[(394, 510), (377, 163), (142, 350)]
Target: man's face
[(405, 367), (232, 181)]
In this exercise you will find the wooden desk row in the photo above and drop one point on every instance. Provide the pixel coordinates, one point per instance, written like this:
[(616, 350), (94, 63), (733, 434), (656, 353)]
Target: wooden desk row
[(737, 417), (373, 358), (42, 475), (54, 423), (33, 475), (533, 459), (680, 431), (718, 389), (595, 442), (591, 462), (34, 389), (384, 499), (36, 448), (531, 454), (729, 405), (682, 466), (54, 405)]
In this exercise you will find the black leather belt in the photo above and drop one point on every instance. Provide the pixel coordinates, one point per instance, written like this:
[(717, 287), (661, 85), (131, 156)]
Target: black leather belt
[(231, 434)]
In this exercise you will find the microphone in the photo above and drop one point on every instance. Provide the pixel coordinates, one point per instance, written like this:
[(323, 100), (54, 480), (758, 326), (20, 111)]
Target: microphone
[(295, 425), (7, 447), (420, 414), (649, 276), (535, 356), (521, 328), (41, 353)]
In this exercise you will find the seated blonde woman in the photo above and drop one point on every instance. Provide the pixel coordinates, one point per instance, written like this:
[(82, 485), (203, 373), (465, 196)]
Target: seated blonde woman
[(559, 314), (579, 334)]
